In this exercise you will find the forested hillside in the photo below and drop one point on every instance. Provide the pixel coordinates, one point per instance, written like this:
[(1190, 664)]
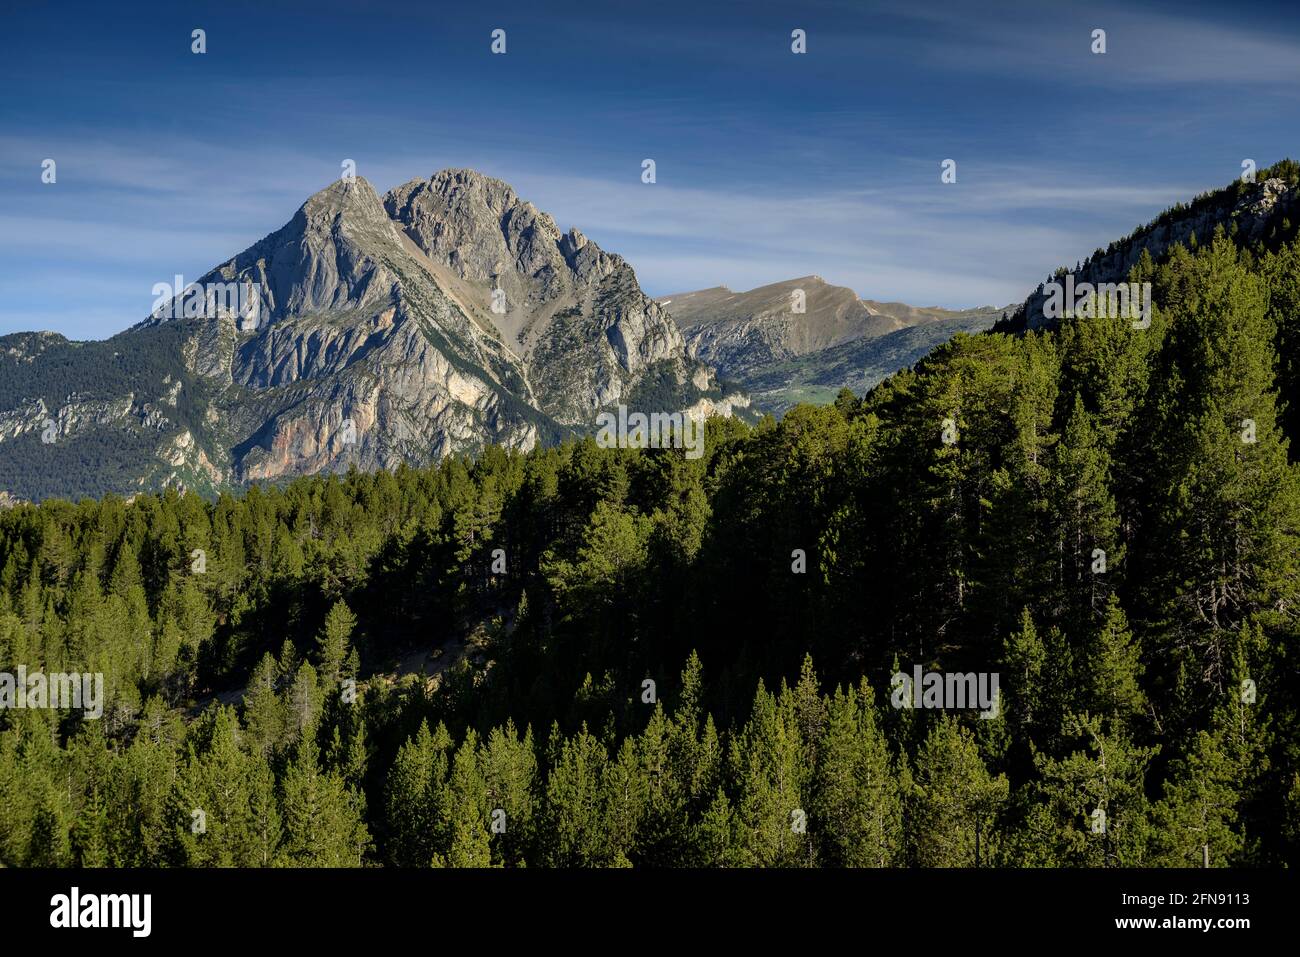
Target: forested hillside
[(1104, 516), (1260, 210)]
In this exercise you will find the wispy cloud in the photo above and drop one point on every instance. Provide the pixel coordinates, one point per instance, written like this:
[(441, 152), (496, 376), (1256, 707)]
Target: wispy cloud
[(985, 240), (1143, 45), (974, 251)]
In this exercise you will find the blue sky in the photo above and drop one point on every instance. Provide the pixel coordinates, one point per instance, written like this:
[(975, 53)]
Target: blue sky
[(770, 165)]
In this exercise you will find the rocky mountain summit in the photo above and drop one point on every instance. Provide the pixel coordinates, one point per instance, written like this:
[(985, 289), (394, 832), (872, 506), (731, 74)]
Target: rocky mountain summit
[(571, 311), (739, 332), (443, 316)]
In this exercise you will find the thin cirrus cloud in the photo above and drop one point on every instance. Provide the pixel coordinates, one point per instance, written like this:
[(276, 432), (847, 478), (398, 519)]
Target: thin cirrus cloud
[(866, 240), (975, 252), (1184, 47)]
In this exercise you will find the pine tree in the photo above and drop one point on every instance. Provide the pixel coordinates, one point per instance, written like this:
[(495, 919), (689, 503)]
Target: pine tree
[(576, 832), (466, 810), (409, 816), (322, 820), (766, 762), (1088, 809), (715, 840), (1219, 545), (212, 820), (333, 644), (265, 831), (662, 827), (1024, 663), (856, 802), (1088, 553), (302, 704), (954, 801), (1200, 820), (510, 773), (140, 832), (264, 711), (1111, 671), (624, 798)]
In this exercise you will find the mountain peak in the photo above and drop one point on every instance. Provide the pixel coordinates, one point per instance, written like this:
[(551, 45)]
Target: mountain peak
[(366, 331), (553, 296), (342, 193), (351, 200), (464, 176), (463, 190), (481, 229), (740, 331)]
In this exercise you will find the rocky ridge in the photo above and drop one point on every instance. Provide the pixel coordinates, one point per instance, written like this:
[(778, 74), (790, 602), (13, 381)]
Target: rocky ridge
[(787, 342), (1251, 211)]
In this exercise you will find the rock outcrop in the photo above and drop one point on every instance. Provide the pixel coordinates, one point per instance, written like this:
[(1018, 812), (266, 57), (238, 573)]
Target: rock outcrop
[(573, 312)]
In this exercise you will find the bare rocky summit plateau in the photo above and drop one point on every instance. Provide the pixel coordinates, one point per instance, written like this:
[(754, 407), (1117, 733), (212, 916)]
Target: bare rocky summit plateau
[(804, 339)]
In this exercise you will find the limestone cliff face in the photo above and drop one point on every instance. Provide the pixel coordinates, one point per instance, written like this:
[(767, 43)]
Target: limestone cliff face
[(448, 315), (573, 312), (354, 355)]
